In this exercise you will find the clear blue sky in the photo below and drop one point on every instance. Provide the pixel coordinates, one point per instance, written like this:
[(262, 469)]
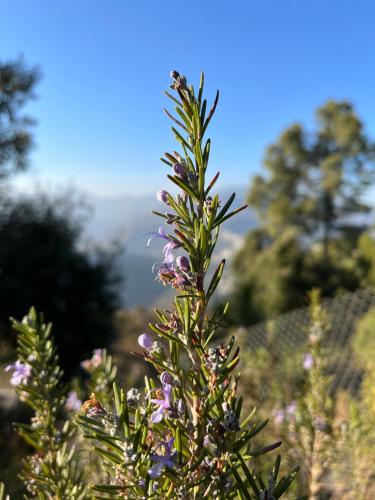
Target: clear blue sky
[(105, 64)]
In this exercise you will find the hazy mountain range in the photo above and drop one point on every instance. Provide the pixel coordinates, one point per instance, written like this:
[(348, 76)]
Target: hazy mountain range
[(128, 219)]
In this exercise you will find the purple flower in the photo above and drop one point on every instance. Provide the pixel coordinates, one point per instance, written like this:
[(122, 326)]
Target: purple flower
[(168, 275), (170, 245), (161, 461), (163, 267), (279, 416), (162, 196), (284, 415), (95, 412), (94, 361), (180, 281), (183, 263), (308, 361), (21, 372), (166, 378), (207, 440), (320, 425), (155, 471), (145, 341), (179, 170), (291, 408), (163, 403), (97, 357), (72, 402)]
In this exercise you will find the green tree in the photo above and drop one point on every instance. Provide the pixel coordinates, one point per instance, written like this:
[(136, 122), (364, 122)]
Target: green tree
[(270, 277), (17, 85), (317, 180), (312, 212), (365, 259)]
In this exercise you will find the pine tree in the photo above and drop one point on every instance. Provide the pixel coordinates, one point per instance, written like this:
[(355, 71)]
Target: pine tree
[(311, 210)]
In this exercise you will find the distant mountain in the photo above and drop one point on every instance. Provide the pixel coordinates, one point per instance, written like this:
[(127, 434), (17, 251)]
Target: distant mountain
[(128, 219), (140, 287)]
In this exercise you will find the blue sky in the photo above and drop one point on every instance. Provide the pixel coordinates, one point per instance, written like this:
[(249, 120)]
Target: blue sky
[(105, 64)]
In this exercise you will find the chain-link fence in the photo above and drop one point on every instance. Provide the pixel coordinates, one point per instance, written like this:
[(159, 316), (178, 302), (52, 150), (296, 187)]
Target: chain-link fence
[(288, 333)]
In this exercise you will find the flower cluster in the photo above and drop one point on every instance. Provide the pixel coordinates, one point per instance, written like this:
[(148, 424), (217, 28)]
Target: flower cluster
[(176, 274), (21, 373), (285, 415), (94, 361), (163, 401), (163, 458), (73, 403)]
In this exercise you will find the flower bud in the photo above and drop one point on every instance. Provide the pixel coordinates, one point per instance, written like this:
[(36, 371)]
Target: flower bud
[(308, 361), (157, 348), (225, 407), (179, 81), (145, 341), (320, 425), (183, 263), (174, 74), (180, 281), (166, 378), (279, 417), (72, 402), (181, 407), (133, 397), (206, 440), (162, 196), (182, 81), (180, 170), (208, 204), (291, 408)]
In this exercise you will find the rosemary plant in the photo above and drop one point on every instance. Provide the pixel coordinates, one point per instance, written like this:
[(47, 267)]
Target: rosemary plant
[(185, 436), (310, 427), (51, 472), (102, 373)]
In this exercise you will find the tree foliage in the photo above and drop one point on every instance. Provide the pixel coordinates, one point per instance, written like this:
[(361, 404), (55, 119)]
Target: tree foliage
[(316, 180), (43, 263), (17, 85), (311, 211)]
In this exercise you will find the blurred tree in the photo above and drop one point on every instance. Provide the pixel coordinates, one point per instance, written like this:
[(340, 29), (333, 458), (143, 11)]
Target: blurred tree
[(271, 278), (317, 181), (41, 264), (365, 259), (311, 212), (17, 85)]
